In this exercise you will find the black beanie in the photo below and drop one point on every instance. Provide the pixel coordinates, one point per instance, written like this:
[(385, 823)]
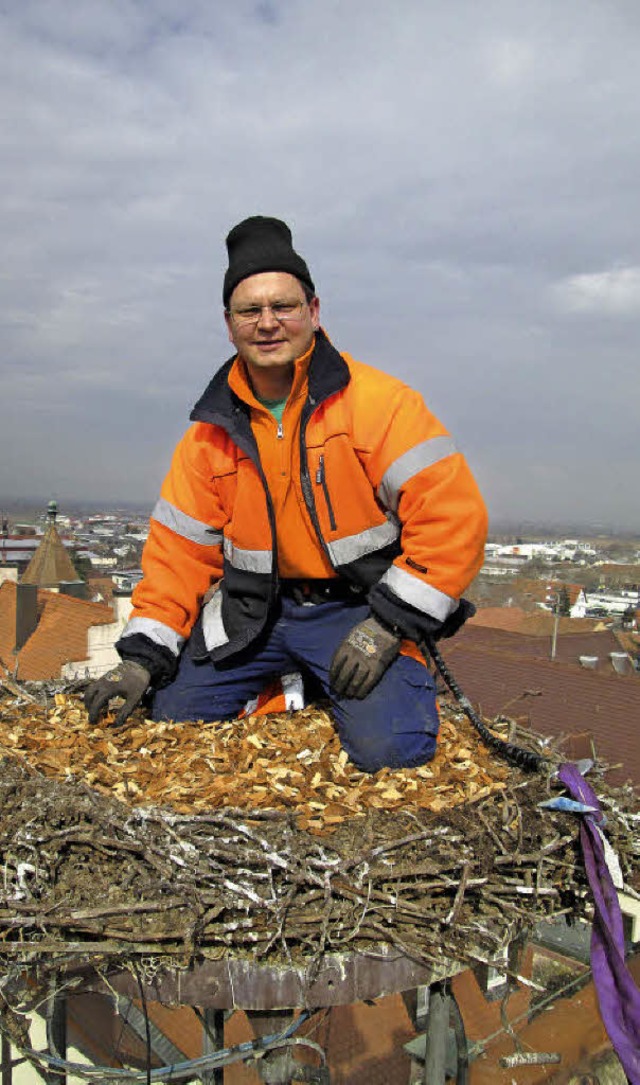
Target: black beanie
[(261, 244)]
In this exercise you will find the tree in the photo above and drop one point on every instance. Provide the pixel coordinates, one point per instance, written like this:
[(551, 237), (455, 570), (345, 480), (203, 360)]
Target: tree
[(82, 566), (564, 603)]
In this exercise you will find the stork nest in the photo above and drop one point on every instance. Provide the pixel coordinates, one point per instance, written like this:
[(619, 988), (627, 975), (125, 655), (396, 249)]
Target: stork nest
[(172, 842)]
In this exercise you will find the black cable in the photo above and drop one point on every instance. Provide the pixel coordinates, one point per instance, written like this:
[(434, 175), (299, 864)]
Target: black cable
[(243, 1052), (525, 759)]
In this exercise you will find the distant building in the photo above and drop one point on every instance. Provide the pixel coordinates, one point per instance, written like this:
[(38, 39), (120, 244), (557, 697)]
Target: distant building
[(612, 602), (9, 572), (527, 551), (548, 594), (101, 654), (51, 565), (42, 557), (48, 628), (557, 590), (127, 579), (42, 631)]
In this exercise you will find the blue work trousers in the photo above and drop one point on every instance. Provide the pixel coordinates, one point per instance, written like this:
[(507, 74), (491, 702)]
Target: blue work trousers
[(395, 726)]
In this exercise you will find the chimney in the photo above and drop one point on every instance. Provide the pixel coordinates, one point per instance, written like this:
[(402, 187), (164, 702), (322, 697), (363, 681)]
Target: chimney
[(75, 588), (590, 662), (122, 605), (619, 662), (26, 613)]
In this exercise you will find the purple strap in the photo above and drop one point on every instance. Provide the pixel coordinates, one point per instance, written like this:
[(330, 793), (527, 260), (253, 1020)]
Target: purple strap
[(618, 996)]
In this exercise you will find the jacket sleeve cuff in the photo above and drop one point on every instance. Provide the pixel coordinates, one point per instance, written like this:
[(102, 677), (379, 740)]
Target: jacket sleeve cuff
[(401, 617), (161, 663), (412, 623)]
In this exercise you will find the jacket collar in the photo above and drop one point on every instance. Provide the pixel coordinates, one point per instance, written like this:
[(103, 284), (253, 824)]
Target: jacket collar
[(218, 405), (240, 383)]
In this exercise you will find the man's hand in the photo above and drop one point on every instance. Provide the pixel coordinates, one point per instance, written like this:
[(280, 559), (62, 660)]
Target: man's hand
[(129, 680), (362, 658)]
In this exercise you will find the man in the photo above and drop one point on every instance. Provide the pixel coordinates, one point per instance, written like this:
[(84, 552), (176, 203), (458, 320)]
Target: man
[(316, 517)]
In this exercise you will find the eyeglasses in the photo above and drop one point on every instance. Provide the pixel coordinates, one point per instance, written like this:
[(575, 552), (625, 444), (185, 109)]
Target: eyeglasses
[(280, 311)]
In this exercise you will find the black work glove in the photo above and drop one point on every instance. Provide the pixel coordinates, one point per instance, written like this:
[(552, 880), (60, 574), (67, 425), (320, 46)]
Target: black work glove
[(129, 680), (362, 658)]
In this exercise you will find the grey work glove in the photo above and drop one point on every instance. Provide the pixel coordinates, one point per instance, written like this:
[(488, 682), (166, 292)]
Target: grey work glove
[(362, 658), (129, 680)]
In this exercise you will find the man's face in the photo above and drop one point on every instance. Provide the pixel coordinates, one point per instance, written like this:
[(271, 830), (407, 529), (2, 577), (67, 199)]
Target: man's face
[(269, 342)]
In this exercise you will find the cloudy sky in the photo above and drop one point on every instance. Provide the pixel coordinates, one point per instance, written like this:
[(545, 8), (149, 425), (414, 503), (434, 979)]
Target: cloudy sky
[(462, 178)]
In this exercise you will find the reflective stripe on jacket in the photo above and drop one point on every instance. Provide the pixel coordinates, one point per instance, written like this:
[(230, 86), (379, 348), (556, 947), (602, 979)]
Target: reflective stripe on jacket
[(392, 502)]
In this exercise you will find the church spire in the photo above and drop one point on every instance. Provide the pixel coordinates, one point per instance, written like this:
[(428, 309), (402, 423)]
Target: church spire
[(51, 565)]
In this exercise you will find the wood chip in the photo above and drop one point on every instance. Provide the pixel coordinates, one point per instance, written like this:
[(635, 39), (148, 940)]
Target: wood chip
[(289, 761)]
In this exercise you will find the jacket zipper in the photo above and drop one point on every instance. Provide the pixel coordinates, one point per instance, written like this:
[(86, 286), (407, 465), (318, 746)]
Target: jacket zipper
[(322, 481), (213, 408), (247, 442)]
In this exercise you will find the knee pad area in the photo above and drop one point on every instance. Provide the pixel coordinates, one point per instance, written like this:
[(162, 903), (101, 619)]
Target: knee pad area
[(393, 750)]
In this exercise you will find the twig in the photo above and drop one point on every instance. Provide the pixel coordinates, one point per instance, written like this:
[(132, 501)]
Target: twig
[(457, 903)]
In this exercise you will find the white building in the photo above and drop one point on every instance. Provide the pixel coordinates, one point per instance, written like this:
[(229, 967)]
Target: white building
[(101, 654)]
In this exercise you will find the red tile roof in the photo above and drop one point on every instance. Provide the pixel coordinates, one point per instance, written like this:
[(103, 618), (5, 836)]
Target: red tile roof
[(60, 636), (100, 586), (533, 622), (541, 589), (560, 700), (526, 592), (576, 638)]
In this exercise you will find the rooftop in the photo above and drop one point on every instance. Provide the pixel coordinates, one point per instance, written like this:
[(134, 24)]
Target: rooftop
[(533, 638), (60, 636), (558, 699), (51, 564), (537, 622)]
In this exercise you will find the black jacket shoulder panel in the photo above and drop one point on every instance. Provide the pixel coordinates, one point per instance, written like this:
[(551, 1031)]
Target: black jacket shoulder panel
[(217, 398), (328, 371), (220, 406)]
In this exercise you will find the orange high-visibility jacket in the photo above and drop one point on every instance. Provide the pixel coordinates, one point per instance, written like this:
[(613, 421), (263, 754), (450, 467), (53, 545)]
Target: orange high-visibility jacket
[(391, 504)]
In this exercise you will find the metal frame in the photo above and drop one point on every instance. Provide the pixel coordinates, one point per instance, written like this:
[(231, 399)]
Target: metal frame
[(440, 1050), (268, 994)]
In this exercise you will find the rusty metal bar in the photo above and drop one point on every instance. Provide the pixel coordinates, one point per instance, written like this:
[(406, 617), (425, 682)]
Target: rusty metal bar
[(236, 983)]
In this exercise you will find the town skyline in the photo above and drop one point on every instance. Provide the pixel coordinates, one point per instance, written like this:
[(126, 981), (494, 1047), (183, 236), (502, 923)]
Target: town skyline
[(15, 506)]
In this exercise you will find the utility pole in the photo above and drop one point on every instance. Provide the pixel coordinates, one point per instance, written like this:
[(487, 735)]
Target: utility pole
[(556, 621), (4, 534)]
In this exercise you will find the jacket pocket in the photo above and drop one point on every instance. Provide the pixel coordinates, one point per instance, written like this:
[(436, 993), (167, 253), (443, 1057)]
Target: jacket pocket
[(321, 480)]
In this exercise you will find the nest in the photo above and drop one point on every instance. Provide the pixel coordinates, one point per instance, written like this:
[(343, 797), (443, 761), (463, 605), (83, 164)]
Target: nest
[(170, 843)]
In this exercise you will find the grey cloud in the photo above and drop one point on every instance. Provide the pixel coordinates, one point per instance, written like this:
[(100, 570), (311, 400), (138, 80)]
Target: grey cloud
[(614, 292), (461, 179)]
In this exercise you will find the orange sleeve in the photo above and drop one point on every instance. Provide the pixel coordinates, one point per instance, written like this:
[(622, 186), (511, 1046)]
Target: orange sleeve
[(182, 557)]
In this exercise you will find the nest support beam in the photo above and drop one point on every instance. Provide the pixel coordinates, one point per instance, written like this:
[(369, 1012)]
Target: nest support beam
[(441, 1049), (212, 1040)]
